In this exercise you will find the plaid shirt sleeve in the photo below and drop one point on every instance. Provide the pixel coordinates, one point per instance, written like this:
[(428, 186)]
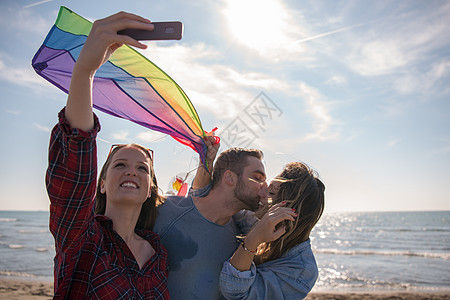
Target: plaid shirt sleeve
[(71, 181)]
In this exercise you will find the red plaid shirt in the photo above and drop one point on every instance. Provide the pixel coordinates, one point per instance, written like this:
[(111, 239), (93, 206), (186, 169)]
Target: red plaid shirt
[(92, 261)]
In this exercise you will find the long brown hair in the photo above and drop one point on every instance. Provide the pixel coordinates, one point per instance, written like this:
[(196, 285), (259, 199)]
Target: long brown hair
[(303, 191), (148, 213)]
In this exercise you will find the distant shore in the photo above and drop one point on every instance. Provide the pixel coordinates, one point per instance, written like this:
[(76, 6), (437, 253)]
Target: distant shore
[(17, 289)]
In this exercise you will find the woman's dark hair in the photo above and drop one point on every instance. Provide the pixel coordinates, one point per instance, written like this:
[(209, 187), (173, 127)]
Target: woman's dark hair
[(148, 213)]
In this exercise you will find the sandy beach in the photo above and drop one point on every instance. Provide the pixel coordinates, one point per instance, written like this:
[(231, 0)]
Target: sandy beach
[(34, 290), (378, 295), (25, 289)]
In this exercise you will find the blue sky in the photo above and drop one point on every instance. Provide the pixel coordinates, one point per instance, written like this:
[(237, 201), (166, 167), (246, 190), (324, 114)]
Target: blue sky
[(359, 90)]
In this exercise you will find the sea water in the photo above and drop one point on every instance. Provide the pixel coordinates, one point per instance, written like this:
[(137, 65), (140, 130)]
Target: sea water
[(26, 245), (406, 251)]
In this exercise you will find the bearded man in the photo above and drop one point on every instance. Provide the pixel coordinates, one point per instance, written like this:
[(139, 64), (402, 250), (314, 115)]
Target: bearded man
[(199, 232)]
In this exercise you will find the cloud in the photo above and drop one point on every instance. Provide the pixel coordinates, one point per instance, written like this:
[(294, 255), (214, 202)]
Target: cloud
[(435, 79), (210, 85), (398, 45), (393, 142), (121, 135), (23, 21), (145, 137), (42, 127), (22, 76), (285, 130), (150, 136), (336, 81), (319, 110), (377, 58), (13, 112)]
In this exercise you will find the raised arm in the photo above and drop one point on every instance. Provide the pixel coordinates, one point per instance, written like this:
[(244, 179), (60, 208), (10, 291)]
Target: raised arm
[(202, 176), (102, 41), (72, 170)]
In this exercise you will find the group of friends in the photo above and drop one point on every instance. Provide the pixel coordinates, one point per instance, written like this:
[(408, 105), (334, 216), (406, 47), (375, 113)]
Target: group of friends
[(233, 236)]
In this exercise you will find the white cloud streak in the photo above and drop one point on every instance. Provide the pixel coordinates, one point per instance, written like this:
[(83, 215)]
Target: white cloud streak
[(319, 110), (425, 82), (42, 127), (22, 76), (393, 143), (150, 137), (121, 135), (13, 112), (37, 3), (321, 35)]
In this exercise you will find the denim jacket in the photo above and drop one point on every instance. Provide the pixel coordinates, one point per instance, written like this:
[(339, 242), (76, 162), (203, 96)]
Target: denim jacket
[(292, 276)]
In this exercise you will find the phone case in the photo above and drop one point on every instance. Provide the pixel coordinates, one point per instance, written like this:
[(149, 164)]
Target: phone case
[(162, 31)]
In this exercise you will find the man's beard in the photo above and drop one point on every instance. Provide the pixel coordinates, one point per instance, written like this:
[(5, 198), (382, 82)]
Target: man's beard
[(241, 193)]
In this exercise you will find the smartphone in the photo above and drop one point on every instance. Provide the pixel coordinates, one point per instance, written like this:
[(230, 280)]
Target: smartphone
[(162, 31)]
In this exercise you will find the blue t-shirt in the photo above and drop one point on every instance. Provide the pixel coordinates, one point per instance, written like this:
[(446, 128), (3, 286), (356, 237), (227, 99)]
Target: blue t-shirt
[(197, 248)]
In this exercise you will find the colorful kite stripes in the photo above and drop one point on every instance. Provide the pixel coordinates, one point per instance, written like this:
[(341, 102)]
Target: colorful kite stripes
[(127, 86)]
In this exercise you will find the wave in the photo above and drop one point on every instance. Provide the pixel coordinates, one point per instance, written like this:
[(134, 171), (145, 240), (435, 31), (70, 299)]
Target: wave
[(416, 230), (15, 246), (351, 284), (16, 274), (8, 219), (444, 256)]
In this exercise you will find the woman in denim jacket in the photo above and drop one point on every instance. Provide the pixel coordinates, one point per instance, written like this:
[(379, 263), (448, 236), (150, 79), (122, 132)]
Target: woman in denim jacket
[(275, 260)]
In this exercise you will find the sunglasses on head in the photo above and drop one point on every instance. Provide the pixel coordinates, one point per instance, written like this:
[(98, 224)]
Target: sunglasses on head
[(150, 151)]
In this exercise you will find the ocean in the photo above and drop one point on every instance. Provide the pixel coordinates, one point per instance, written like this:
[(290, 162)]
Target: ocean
[(376, 251)]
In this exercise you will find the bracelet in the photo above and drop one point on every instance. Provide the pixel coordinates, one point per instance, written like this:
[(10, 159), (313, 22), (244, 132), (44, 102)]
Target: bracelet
[(246, 249)]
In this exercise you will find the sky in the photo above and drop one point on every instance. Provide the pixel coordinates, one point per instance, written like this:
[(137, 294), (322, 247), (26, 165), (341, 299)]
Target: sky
[(358, 90)]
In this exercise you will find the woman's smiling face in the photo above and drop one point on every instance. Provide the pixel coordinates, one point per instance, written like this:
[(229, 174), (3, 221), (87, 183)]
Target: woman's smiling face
[(128, 177)]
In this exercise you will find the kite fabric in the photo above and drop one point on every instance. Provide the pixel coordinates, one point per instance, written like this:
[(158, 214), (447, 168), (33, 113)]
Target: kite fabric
[(127, 86)]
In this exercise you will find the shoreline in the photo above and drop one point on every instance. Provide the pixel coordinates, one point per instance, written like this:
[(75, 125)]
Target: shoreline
[(40, 289), (378, 295)]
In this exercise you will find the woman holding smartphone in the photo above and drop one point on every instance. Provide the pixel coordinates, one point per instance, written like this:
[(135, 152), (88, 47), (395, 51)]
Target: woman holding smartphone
[(108, 252)]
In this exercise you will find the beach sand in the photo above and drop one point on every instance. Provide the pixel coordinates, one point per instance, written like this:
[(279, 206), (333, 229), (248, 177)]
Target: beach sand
[(16, 289), (378, 295)]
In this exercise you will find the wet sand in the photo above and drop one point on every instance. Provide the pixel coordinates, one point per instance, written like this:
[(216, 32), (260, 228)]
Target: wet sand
[(17, 289)]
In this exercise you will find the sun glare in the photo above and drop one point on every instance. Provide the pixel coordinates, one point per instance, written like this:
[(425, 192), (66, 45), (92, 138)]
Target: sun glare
[(256, 24)]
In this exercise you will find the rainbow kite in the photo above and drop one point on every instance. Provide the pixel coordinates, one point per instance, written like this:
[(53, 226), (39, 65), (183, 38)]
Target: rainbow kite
[(127, 86)]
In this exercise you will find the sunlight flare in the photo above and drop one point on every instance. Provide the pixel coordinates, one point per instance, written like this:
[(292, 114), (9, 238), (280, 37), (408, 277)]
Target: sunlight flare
[(260, 25)]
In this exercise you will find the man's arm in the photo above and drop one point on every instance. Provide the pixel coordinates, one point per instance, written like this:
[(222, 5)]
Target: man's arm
[(203, 176)]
